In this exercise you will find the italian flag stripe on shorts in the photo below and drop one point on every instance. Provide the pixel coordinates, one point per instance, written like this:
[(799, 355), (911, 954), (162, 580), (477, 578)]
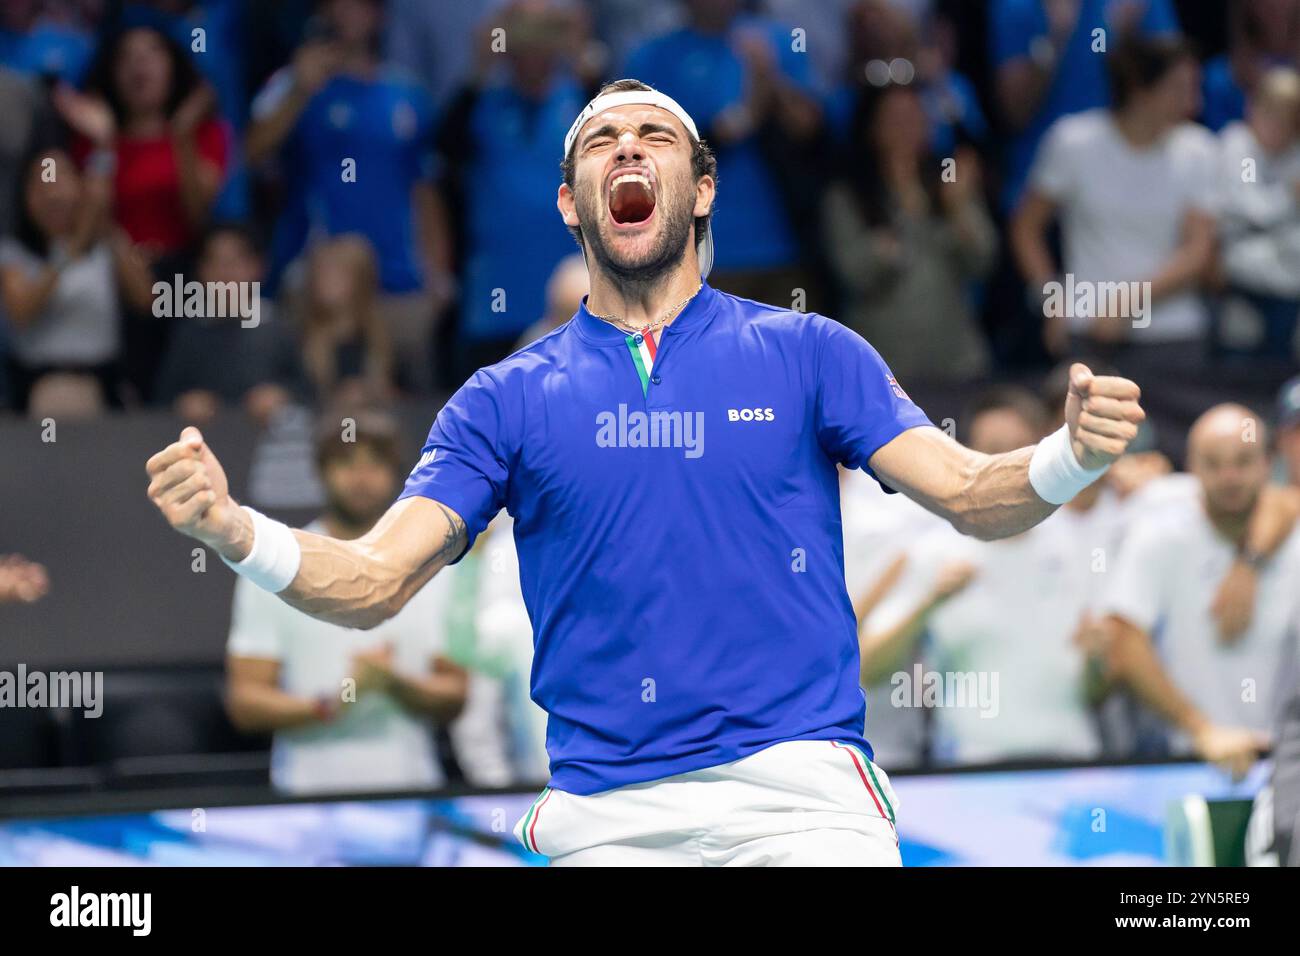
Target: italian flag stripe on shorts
[(873, 786), (530, 820)]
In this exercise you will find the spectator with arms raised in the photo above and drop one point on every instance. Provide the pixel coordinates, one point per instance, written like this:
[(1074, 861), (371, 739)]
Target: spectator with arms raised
[(355, 139)]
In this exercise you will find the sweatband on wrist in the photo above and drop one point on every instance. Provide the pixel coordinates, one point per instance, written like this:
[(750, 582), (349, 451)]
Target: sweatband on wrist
[(1055, 473), (273, 562)]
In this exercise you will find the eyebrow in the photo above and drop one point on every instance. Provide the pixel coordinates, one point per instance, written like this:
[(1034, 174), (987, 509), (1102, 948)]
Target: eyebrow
[(609, 129)]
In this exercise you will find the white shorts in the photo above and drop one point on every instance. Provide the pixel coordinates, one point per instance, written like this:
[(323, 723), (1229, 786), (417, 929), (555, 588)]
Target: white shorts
[(798, 803)]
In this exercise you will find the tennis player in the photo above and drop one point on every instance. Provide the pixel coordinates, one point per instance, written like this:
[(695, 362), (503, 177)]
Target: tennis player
[(669, 456)]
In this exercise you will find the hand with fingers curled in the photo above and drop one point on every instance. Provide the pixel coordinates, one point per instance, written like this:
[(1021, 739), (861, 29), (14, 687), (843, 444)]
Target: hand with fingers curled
[(188, 485), (1103, 414)]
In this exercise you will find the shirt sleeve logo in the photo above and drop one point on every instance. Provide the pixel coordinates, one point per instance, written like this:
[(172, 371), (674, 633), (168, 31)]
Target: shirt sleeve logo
[(425, 459)]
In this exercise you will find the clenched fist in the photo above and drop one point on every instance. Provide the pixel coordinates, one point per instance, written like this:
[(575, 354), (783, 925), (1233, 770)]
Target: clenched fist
[(1103, 414), (188, 485)]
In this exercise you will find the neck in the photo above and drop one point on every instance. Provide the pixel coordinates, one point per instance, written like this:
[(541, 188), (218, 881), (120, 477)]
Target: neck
[(1229, 525), (358, 61), (1138, 128), (147, 125), (638, 303)]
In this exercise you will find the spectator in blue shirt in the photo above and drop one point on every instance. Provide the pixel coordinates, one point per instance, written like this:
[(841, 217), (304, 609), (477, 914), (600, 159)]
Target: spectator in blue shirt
[(1050, 62), (740, 77), (1261, 34), (498, 140), (356, 138), (38, 42)]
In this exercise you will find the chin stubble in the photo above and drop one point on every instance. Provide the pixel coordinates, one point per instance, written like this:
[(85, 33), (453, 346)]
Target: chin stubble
[(666, 254)]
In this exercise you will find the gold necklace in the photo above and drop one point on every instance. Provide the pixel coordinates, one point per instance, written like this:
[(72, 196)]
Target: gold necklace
[(654, 326)]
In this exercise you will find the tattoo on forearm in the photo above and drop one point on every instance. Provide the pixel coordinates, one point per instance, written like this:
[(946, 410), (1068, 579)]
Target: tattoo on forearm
[(455, 538)]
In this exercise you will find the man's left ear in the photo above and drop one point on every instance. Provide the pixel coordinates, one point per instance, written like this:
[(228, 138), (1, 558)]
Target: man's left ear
[(704, 192), (568, 208)]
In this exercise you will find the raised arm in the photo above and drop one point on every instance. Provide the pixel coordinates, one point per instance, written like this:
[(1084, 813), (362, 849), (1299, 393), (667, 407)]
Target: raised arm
[(996, 496), (358, 583)]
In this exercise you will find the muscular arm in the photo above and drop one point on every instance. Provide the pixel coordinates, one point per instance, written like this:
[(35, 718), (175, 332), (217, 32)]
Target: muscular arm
[(990, 496), (987, 496), (364, 582), (358, 583)]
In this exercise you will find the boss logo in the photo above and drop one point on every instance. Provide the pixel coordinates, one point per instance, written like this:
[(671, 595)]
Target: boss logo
[(750, 415)]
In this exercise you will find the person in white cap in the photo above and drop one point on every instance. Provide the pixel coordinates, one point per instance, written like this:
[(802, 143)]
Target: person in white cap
[(669, 456)]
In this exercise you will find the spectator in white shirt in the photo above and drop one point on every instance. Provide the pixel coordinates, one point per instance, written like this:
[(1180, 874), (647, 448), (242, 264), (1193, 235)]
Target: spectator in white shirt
[(500, 739), (1259, 173), (63, 276), (349, 710), (1133, 189), (1007, 613), (877, 530), (1214, 687)]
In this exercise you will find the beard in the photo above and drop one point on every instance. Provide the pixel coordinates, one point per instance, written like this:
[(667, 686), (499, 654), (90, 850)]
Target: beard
[(668, 248), (364, 514)]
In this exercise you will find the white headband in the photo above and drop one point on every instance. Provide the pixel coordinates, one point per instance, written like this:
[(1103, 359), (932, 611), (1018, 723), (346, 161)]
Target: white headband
[(664, 102), (627, 98)]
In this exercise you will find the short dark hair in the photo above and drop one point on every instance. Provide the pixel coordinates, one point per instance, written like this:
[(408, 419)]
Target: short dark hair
[(1139, 63), (1010, 398), (703, 162), (375, 429)]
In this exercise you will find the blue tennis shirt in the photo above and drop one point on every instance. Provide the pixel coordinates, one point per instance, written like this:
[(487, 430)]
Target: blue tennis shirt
[(679, 533)]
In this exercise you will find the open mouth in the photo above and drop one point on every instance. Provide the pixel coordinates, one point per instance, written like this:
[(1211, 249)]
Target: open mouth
[(631, 199)]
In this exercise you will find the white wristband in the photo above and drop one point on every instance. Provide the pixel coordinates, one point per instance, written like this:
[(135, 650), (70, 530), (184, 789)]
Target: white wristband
[(273, 563), (1055, 473)]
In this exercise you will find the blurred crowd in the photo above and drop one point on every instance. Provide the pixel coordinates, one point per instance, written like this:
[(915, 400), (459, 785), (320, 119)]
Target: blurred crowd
[(385, 174), (362, 195), (1156, 614)]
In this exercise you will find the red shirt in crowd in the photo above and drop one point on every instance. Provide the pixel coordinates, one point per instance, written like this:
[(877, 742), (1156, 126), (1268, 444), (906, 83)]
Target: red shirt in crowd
[(146, 189)]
